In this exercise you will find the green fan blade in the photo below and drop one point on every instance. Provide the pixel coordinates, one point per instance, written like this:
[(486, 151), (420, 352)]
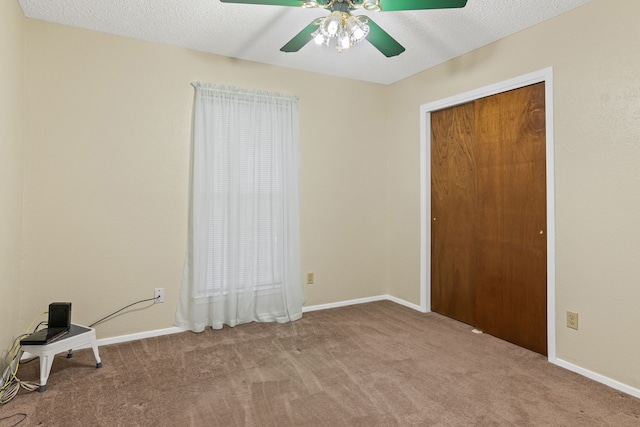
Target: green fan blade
[(295, 3), (382, 41), (301, 39), (389, 5)]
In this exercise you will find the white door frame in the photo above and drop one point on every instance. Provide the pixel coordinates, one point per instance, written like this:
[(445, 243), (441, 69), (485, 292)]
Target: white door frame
[(544, 75)]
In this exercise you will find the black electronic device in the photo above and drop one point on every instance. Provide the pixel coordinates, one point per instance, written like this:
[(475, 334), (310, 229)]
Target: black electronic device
[(59, 323)]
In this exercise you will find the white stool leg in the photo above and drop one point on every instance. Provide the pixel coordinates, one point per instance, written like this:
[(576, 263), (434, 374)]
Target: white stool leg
[(94, 346), (46, 360)]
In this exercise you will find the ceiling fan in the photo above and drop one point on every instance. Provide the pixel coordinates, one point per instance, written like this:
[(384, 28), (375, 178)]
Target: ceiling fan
[(345, 30)]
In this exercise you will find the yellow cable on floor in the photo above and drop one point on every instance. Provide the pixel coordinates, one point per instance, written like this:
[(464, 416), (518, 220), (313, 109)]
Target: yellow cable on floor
[(12, 383)]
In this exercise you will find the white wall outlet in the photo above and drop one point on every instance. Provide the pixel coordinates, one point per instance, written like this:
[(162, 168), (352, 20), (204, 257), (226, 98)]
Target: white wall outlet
[(159, 295), (309, 278)]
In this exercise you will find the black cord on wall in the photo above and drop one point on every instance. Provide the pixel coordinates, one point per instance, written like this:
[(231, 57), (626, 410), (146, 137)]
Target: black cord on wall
[(118, 311)]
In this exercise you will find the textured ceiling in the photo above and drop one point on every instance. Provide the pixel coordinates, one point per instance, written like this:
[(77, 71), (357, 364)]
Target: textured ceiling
[(257, 32)]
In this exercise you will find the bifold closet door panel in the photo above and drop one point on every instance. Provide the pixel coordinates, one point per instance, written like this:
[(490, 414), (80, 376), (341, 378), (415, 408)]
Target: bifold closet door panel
[(511, 285), (453, 212)]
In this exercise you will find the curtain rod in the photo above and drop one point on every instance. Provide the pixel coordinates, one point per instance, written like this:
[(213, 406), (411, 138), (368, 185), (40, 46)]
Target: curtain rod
[(234, 90)]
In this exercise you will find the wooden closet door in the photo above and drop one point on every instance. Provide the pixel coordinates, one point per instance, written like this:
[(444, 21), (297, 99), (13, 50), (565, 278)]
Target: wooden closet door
[(488, 225), (453, 208), (511, 285)]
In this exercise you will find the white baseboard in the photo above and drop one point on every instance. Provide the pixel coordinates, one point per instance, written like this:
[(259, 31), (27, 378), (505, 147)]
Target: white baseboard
[(122, 338), (562, 363), (408, 304), (361, 301), (140, 335), (175, 329), (344, 303), (597, 377)]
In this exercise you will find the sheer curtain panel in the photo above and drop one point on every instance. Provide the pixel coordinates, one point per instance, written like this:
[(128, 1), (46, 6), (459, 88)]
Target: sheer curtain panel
[(243, 257)]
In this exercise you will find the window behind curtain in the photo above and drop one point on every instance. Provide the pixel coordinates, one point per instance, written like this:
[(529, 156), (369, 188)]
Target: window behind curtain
[(246, 177), (243, 262)]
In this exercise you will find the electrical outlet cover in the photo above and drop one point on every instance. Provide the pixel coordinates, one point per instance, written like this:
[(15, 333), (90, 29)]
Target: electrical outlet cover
[(158, 295), (572, 320)]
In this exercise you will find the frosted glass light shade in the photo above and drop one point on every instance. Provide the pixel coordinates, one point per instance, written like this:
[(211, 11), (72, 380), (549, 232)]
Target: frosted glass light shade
[(342, 28)]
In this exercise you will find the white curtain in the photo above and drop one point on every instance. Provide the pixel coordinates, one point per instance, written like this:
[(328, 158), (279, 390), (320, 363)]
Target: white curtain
[(243, 258)]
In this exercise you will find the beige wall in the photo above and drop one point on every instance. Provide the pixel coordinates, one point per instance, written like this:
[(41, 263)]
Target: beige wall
[(595, 52), (107, 168), (11, 165)]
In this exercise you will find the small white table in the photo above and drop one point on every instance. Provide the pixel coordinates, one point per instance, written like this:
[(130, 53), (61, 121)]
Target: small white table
[(78, 336)]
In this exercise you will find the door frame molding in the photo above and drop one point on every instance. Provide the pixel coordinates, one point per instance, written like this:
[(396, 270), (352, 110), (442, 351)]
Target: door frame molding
[(544, 75)]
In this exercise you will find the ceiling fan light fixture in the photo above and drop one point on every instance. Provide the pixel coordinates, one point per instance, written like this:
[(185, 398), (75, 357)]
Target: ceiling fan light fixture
[(343, 28), (332, 24), (319, 38), (329, 30), (344, 40), (357, 29)]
